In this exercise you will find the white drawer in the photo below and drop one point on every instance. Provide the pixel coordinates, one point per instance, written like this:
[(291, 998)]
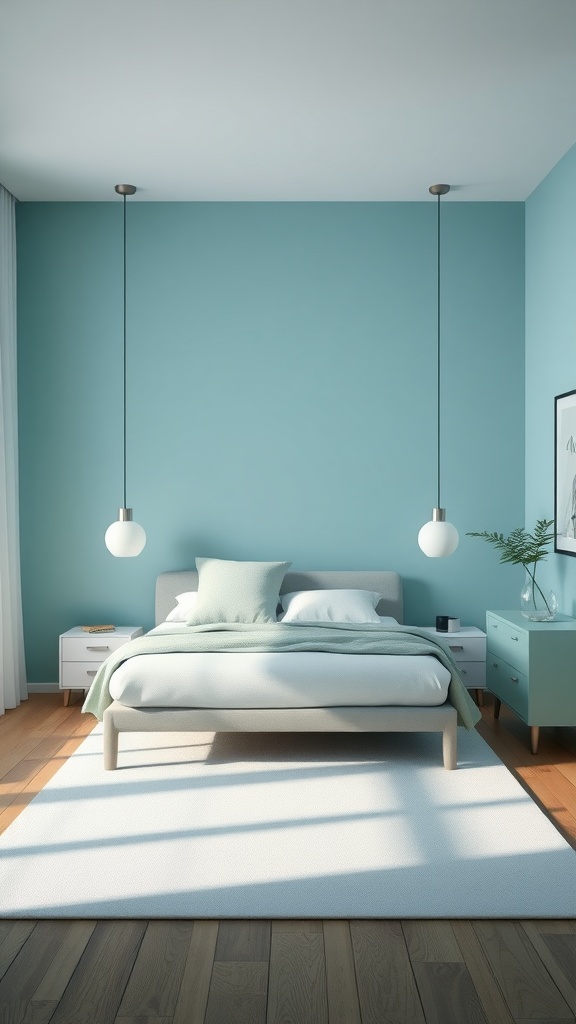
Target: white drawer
[(473, 673), (93, 648), (466, 648), (78, 675)]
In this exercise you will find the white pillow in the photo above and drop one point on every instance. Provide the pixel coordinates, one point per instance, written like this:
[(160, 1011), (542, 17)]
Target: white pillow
[(330, 606), (184, 608)]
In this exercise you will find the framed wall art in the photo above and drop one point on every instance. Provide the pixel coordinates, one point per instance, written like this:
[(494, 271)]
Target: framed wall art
[(565, 473)]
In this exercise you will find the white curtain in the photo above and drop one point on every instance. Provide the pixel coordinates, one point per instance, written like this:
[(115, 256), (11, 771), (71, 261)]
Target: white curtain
[(12, 665)]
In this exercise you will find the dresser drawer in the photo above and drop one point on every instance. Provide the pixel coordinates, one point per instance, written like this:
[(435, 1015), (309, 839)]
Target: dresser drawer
[(508, 684), (93, 648), (78, 675), (508, 643), (473, 673)]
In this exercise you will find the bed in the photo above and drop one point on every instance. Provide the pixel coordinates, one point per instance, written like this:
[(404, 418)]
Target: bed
[(131, 708)]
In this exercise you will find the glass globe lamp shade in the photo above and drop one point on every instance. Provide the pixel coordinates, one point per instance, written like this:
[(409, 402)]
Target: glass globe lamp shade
[(125, 538), (438, 538)]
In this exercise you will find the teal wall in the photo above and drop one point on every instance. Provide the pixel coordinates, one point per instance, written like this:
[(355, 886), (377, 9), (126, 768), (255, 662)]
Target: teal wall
[(281, 397), (550, 348)]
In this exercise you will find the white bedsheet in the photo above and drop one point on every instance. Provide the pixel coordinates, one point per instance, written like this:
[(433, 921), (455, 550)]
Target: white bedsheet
[(279, 680)]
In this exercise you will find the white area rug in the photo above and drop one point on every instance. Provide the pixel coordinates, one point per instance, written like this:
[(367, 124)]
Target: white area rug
[(285, 825)]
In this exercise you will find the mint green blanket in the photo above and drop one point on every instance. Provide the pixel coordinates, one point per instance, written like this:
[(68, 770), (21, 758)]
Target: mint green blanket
[(333, 638)]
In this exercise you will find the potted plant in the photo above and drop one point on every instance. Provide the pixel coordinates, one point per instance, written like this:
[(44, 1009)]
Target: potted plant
[(527, 549)]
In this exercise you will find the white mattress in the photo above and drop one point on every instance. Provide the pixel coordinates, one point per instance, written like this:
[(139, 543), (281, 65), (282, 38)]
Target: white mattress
[(279, 680)]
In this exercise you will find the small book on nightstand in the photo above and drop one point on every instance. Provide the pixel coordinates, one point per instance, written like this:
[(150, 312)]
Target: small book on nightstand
[(98, 629)]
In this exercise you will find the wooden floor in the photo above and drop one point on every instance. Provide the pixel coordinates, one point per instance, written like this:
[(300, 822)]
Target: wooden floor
[(284, 972)]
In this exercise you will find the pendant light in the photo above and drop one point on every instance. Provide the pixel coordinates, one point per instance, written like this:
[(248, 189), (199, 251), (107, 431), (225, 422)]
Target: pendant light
[(125, 538), (438, 538)]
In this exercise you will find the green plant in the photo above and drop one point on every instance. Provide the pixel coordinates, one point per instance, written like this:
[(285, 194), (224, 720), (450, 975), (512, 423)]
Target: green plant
[(523, 548)]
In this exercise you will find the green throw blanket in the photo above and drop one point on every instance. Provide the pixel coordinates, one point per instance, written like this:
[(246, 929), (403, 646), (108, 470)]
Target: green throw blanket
[(333, 638)]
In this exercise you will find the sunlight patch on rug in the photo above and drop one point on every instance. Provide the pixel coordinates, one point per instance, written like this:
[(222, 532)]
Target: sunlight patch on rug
[(285, 825)]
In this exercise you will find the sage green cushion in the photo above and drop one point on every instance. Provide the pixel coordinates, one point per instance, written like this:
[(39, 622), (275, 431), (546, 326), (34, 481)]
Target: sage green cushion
[(237, 591)]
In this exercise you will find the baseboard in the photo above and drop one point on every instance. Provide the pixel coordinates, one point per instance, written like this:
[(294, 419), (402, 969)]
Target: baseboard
[(43, 688)]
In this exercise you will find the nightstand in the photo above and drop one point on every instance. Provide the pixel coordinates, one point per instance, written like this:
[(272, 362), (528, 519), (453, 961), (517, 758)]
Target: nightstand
[(468, 648), (81, 655), (530, 668)]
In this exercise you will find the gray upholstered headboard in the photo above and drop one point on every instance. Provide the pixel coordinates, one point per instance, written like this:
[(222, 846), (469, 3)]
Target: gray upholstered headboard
[(389, 584)]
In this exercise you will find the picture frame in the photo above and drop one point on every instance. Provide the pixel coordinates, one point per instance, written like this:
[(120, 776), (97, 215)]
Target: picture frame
[(565, 473)]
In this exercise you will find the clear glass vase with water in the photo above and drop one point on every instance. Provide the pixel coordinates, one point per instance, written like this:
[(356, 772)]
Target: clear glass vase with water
[(537, 603)]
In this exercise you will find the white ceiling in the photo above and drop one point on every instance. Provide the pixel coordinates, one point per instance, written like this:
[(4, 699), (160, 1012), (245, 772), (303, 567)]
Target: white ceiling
[(337, 100)]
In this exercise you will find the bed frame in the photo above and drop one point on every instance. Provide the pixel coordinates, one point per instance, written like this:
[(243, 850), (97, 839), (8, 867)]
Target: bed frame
[(118, 718)]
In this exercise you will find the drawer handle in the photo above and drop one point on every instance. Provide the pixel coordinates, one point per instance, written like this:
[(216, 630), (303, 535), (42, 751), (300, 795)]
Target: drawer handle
[(456, 647), (91, 671), (463, 671), (494, 664), (514, 679), (514, 638), (494, 626), (102, 648)]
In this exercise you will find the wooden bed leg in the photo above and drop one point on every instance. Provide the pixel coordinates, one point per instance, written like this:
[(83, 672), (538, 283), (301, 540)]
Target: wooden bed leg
[(497, 706), (110, 744), (534, 736), (449, 745)]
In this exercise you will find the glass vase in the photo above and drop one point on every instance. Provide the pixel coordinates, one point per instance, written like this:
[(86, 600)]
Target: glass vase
[(537, 603)]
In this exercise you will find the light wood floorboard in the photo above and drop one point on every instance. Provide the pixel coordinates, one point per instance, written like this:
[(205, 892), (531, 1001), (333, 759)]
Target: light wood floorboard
[(284, 972)]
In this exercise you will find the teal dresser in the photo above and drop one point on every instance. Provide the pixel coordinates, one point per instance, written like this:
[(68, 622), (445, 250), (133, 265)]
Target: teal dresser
[(531, 667)]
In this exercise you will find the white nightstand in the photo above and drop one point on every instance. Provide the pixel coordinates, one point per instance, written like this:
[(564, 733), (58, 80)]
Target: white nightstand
[(81, 655), (468, 648)]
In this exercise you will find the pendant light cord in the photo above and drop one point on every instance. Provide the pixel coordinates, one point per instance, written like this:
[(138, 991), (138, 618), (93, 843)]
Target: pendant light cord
[(124, 355), (438, 354)]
